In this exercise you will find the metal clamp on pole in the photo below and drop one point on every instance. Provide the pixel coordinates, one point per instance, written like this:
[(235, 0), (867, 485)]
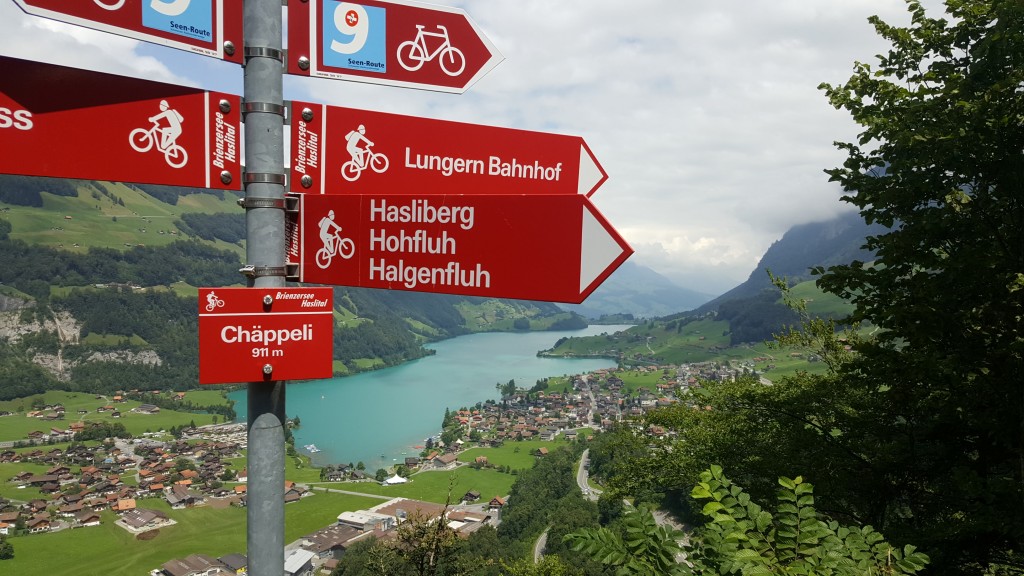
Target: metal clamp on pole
[(251, 271), (291, 203), (265, 107), (263, 178), (278, 203), (262, 52), (291, 272)]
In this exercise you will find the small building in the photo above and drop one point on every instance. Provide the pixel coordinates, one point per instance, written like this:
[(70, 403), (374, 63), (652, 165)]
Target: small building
[(299, 562), (193, 565), (88, 518), (366, 521), (37, 525), (143, 519), (237, 563)]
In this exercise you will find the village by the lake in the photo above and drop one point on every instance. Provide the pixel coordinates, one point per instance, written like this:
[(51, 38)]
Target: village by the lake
[(58, 486)]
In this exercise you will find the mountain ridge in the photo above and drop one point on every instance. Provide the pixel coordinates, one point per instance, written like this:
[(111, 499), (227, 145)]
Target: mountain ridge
[(839, 240), (638, 290)]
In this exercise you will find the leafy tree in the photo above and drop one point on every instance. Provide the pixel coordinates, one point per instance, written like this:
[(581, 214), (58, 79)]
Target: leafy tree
[(507, 389), (742, 537), (646, 549), (547, 566), (6, 549), (940, 162), (368, 557), (425, 544)]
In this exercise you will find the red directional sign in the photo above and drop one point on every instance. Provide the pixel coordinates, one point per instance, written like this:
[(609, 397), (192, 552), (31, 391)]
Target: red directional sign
[(69, 123), (397, 43), (207, 27), (258, 334), (556, 248), (338, 150)]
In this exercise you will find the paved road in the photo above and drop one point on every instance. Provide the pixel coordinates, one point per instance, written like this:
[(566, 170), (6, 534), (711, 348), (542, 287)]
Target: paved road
[(538, 547), (583, 474)]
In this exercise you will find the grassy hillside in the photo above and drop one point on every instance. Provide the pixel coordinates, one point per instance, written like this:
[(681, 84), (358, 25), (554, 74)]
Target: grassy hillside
[(18, 426), (108, 549), (688, 340), (819, 303), (105, 234), (111, 215)]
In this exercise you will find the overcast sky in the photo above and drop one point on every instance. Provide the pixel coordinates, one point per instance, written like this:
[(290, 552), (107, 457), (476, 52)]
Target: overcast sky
[(705, 114)]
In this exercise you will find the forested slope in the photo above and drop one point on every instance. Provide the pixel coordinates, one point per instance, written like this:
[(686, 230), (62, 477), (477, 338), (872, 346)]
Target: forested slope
[(100, 315)]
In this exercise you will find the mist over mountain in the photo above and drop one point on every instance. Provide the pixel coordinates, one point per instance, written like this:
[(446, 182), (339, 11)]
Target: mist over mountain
[(638, 290), (829, 243)]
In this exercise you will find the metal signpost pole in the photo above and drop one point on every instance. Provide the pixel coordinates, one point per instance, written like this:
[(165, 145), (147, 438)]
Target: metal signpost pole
[(263, 106)]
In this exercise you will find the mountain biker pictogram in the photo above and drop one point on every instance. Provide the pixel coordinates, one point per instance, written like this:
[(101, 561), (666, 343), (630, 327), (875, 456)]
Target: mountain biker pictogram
[(213, 302), (163, 137), (362, 157), (334, 244)]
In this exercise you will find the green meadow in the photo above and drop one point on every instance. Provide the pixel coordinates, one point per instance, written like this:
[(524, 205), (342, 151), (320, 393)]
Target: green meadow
[(71, 223), (18, 425), (519, 455), (108, 549), (433, 486)]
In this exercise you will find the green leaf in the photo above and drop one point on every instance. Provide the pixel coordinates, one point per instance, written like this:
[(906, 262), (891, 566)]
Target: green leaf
[(700, 491)]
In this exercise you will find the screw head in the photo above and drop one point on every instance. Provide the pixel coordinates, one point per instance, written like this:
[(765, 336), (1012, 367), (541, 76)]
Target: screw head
[(268, 300), (303, 63), (225, 177), (307, 114), (229, 48), (268, 369), (306, 181), (224, 106)]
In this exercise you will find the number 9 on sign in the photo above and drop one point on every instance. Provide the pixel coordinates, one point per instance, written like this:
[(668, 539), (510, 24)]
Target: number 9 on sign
[(350, 20)]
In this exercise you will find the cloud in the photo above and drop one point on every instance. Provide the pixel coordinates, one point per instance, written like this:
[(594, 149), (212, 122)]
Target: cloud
[(706, 115)]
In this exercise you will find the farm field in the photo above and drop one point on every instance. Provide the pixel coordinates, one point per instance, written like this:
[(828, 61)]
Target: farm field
[(107, 549), (519, 455), (17, 426), (71, 223)]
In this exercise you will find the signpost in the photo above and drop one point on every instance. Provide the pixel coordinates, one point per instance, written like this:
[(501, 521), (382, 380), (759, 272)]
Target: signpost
[(115, 128), (265, 334), (207, 27), (410, 155), (397, 43), (556, 248), (395, 202)]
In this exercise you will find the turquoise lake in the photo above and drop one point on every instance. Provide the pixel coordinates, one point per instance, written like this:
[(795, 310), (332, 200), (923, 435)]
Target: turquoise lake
[(379, 417)]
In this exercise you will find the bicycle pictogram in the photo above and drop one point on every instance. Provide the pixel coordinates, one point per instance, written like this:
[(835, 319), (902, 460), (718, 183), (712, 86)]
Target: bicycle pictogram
[(115, 6), (413, 53), (334, 244), (343, 247), (213, 302), (164, 138), (353, 168)]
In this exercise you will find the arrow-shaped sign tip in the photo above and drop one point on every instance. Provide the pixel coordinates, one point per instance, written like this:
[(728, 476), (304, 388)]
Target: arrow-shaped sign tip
[(592, 175), (602, 252)]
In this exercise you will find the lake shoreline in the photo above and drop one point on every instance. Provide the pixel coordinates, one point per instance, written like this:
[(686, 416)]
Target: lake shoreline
[(379, 417)]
